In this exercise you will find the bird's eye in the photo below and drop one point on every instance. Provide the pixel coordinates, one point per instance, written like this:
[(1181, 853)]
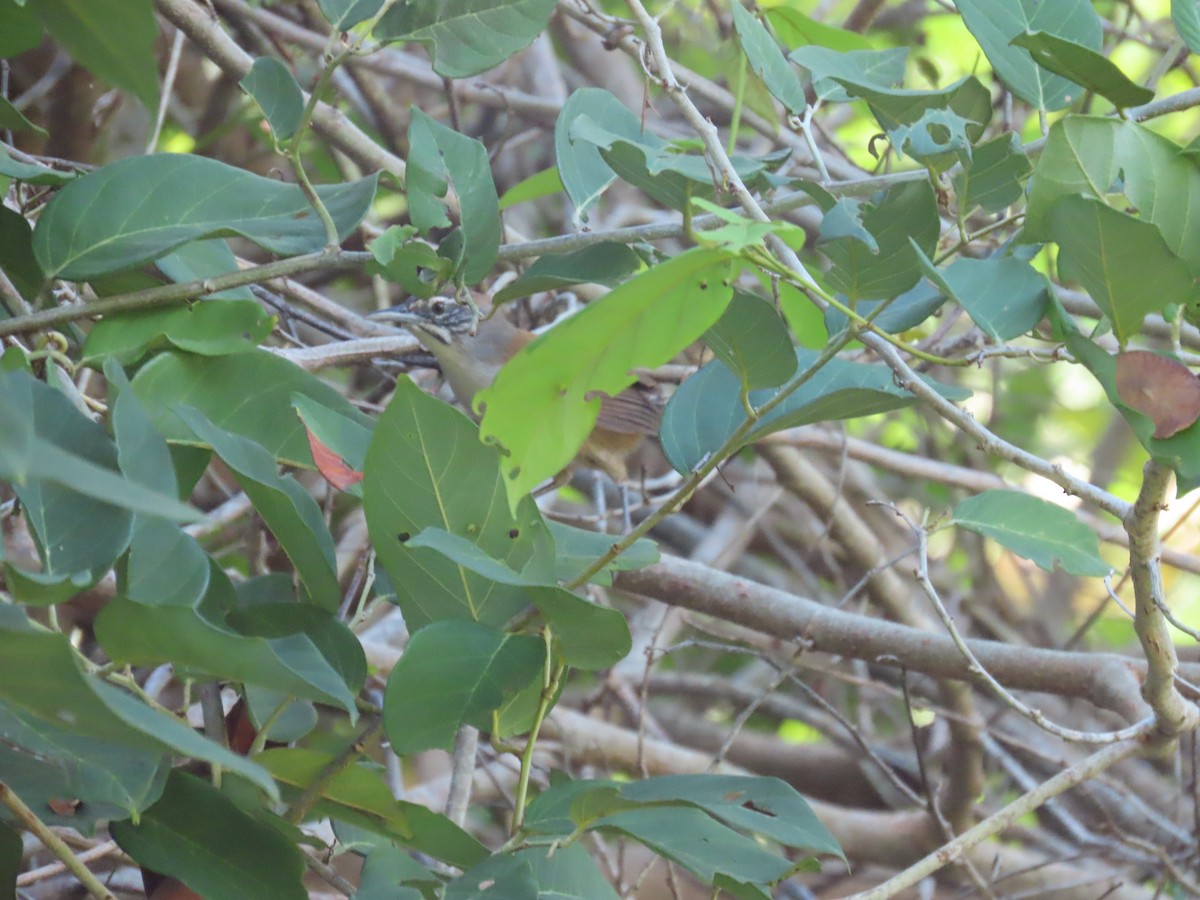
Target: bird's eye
[(438, 307)]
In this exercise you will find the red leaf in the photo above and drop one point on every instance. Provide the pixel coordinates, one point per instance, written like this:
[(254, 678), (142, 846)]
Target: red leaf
[(332, 466), (1163, 390)]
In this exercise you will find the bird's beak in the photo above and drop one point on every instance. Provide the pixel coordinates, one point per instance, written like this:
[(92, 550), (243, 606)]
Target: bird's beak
[(396, 315)]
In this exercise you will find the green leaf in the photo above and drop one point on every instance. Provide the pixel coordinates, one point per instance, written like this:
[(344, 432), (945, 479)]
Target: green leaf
[(897, 111), (198, 835), (566, 872), (708, 408), (1094, 156), (454, 674), (113, 39), (576, 549), (39, 589), (879, 68), (208, 327), (584, 173), (216, 385), (994, 23), (40, 675), (291, 664), (1004, 296), (12, 119), (137, 209), (359, 796), (12, 854), (286, 508), (1186, 15), (795, 28), (345, 14), (499, 877), (440, 158), (697, 842), (752, 340), (545, 183), (767, 61), (993, 178), (466, 37), (1034, 529), (165, 565), (426, 467), (44, 761), (22, 31), (896, 219), (1084, 66), (1122, 262), (346, 437), (543, 403), (660, 169), (198, 260), (410, 263), (30, 173), (275, 91), (16, 254), (602, 263)]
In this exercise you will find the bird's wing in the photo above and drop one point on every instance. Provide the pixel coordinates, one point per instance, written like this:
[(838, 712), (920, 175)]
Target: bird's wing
[(636, 410)]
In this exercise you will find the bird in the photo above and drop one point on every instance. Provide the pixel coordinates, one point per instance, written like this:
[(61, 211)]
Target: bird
[(471, 349)]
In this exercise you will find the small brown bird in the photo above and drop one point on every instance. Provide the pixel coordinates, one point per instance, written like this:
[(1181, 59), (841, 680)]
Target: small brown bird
[(470, 351)]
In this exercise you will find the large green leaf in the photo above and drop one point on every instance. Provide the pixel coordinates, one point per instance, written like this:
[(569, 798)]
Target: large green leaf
[(210, 328), (880, 68), (994, 176), (1097, 156), (454, 674), (767, 61), (994, 23), (1004, 296), (1084, 66), (16, 254), (601, 263), (40, 675), (752, 340), (466, 37), (886, 266), (197, 260), (584, 173), (112, 38), (441, 158), (1122, 262), (249, 394), (1035, 529), (708, 408), (286, 508), (590, 636), (360, 796), (427, 468), (291, 664), (543, 403), (198, 835), (45, 761), (140, 208)]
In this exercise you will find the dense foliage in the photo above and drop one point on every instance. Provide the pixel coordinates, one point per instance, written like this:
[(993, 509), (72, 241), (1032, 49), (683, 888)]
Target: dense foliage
[(920, 281)]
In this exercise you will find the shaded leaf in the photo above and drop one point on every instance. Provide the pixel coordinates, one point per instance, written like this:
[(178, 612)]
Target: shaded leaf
[(707, 408), (576, 549), (275, 91), (602, 263), (993, 178), (208, 327), (1186, 15), (1084, 66), (767, 60), (1004, 296), (584, 173), (466, 37), (994, 23), (454, 674), (1035, 529), (752, 340), (198, 835), (881, 68), (1122, 262), (16, 254), (441, 158), (426, 468), (140, 208)]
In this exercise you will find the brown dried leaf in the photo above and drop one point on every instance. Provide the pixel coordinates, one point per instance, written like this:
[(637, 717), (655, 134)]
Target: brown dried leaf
[(332, 466), (1163, 390)]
